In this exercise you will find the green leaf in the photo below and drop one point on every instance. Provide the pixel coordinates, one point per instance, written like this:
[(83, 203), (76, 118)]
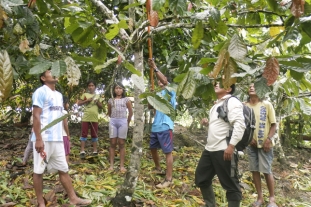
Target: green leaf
[(112, 32), (40, 68), (157, 4), (86, 59), (8, 4), (146, 94), (58, 68), (197, 35), (123, 24), (84, 24), (179, 77), (296, 75), (253, 18), (42, 6), (83, 36), (292, 33), (178, 6), (98, 68), (273, 4), (207, 70), (289, 21), (306, 109), (55, 122), (207, 92), (158, 104), (306, 27), (182, 84), (131, 68), (207, 60), (131, 6), (100, 52), (215, 14), (306, 83), (189, 87), (237, 49), (261, 88), (222, 28)]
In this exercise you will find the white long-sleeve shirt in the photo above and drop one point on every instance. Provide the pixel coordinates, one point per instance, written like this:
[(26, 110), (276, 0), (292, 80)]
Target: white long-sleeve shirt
[(219, 129)]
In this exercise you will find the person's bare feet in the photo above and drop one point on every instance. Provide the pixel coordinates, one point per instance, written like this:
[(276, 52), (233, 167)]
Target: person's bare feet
[(81, 202), (123, 170)]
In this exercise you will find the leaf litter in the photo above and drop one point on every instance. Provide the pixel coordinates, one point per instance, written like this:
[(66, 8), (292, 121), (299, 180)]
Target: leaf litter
[(91, 178)]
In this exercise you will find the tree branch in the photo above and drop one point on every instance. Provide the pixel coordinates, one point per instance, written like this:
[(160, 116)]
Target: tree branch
[(261, 11), (255, 26), (111, 16)]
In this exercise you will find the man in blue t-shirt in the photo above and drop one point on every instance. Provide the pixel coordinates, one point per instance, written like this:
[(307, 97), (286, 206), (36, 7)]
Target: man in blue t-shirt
[(161, 131)]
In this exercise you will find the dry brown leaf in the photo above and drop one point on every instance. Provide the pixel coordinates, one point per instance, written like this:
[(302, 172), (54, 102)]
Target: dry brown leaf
[(297, 7), (154, 18), (6, 75), (3, 17), (229, 69), (8, 204), (119, 61), (223, 55), (271, 71), (24, 45), (50, 196)]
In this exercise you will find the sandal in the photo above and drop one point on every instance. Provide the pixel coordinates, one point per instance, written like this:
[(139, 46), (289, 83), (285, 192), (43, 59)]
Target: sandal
[(272, 204), (257, 204)]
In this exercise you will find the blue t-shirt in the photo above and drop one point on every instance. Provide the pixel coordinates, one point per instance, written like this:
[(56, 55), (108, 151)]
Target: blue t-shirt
[(162, 122)]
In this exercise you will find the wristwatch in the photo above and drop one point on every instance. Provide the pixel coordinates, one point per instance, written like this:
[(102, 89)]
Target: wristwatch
[(156, 70), (270, 139)]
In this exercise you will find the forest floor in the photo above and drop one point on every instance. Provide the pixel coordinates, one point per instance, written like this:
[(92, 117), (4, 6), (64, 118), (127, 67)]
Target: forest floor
[(92, 179)]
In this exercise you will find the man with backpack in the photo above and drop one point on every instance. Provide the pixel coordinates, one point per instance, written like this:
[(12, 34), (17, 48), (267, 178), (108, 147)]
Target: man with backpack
[(260, 151), (219, 151)]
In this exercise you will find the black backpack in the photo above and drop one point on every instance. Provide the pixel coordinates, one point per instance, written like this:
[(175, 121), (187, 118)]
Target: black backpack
[(250, 123)]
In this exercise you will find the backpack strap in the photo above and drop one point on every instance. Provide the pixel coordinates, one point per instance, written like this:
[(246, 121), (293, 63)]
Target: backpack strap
[(226, 103)]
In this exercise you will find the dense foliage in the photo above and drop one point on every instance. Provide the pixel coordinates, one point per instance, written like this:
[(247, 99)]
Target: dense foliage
[(229, 40)]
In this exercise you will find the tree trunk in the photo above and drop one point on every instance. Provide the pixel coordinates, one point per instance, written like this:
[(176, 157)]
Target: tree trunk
[(125, 193), (278, 147)]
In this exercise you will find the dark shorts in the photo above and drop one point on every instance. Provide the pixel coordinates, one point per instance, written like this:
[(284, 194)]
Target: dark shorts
[(163, 140), (89, 125)]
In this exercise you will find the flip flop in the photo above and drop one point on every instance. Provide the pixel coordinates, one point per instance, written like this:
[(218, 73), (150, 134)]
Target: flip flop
[(256, 204), (272, 205)]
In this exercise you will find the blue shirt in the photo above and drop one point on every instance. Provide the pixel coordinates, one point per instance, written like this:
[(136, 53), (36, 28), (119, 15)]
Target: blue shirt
[(162, 122)]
